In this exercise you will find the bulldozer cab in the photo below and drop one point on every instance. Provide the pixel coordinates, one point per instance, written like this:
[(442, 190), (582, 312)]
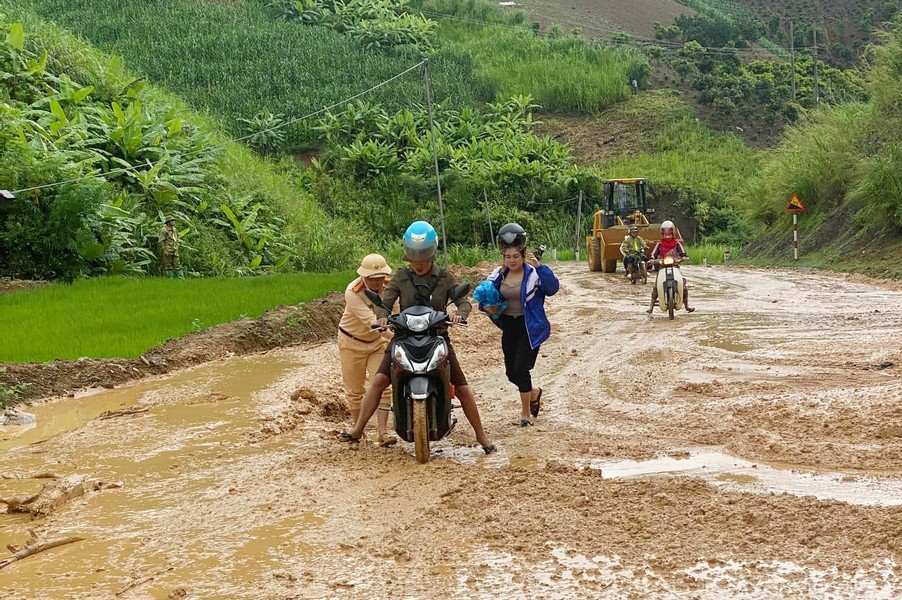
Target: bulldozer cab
[(625, 203)]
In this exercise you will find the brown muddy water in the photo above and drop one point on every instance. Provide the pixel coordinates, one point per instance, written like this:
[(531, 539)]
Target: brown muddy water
[(752, 449)]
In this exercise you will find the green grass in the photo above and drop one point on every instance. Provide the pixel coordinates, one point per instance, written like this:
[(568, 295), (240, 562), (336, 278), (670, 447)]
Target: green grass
[(118, 317), (235, 59), (563, 74), (713, 253)]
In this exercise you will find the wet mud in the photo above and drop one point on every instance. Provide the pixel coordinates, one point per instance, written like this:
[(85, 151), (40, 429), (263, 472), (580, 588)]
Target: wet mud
[(751, 449)]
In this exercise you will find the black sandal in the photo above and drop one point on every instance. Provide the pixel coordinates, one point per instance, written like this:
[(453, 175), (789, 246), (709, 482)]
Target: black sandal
[(489, 449), (344, 436), (535, 405), (525, 422)]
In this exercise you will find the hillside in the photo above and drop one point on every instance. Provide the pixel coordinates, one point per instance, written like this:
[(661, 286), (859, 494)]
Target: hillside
[(845, 26), (844, 163), (596, 18)]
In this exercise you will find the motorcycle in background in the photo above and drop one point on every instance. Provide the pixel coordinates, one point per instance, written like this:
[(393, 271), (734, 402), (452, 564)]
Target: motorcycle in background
[(669, 283)]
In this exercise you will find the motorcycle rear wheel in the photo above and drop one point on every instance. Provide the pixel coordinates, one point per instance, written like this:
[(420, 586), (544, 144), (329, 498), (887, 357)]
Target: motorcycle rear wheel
[(420, 431)]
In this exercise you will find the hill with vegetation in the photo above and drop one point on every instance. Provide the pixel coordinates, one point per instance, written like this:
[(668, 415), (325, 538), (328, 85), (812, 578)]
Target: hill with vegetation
[(526, 119), (845, 164), (132, 154)]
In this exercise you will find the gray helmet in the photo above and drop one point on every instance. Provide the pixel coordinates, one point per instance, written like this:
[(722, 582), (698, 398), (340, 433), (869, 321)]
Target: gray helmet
[(511, 236), (634, 229)]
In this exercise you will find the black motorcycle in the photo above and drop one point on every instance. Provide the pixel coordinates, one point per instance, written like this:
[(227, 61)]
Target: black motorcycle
[(420, 376)]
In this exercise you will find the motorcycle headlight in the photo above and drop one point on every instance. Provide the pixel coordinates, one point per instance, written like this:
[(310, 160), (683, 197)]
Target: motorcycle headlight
[(417, 323), (401, 358), (438, 356)]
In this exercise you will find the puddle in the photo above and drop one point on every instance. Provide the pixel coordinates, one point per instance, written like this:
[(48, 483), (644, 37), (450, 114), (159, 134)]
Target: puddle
[(179, 450), (729, 472), (236, 377), (725, 341)]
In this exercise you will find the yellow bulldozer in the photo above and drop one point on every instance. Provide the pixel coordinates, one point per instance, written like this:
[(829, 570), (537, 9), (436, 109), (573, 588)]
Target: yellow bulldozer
[(625, 204)]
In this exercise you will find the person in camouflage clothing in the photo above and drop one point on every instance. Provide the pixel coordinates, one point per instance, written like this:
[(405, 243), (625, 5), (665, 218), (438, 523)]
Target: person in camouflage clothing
[(169, 250)]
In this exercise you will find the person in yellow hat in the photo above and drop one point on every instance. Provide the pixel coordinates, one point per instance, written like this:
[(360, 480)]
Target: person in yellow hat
[(361, 348)]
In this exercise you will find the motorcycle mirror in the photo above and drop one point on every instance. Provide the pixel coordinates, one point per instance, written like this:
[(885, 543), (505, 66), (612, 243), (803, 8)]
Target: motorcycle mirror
[(374, 297), (459, 291)]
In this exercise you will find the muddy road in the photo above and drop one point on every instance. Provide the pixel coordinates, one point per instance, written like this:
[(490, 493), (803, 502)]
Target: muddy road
[(752, 449)]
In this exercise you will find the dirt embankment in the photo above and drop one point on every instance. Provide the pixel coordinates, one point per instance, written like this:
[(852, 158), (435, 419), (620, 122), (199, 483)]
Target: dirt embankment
[(282, 326), (8, 286)]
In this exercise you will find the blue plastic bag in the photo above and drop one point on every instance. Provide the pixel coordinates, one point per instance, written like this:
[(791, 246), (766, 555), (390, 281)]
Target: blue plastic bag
[(487, 295)]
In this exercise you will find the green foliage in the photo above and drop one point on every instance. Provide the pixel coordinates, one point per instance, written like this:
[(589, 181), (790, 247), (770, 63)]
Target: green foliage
[(843, 163), (11, 395), (696, 171), (376, 23), (265, 133), (560, 73), (390, 160), (155, 158), (107, 317), (710, 253), (230, 59)]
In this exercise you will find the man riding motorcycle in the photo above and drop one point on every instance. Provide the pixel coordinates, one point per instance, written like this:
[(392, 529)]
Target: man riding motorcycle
[(633, 250), (669, 246), (421, 284)]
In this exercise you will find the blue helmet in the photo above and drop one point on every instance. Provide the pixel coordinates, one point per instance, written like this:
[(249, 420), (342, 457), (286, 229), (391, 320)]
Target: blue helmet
[(420, 241)]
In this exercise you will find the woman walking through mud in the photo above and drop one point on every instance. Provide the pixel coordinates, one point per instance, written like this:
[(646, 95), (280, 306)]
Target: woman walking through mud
[(361, 348), (523, 283)]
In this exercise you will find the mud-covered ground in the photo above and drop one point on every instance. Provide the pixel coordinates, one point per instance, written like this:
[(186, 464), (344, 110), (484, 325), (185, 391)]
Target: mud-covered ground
[(752, 449)]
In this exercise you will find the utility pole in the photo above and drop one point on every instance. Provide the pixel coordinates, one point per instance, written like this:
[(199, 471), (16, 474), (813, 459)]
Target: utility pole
[(438, 181), (579, 214), (817, 93), (792, 56), (488, 213)]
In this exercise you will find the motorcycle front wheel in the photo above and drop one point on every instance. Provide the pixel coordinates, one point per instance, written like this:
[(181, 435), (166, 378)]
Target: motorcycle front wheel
[(420, 431)]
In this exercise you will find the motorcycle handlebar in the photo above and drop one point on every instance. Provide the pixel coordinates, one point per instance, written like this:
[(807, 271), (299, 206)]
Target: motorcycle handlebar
[(449, 323)]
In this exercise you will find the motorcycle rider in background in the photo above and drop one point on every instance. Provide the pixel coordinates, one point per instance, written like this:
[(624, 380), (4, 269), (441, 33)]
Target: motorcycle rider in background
[(633, 250), (669, 246)]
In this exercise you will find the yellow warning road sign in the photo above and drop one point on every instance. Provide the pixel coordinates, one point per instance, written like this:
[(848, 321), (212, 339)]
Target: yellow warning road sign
[(795, 204)]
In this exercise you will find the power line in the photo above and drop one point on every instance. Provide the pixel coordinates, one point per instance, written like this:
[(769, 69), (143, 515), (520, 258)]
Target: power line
[(227, 142)]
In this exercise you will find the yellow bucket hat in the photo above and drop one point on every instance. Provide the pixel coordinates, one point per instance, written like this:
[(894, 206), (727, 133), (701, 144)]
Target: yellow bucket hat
[(372, 265)]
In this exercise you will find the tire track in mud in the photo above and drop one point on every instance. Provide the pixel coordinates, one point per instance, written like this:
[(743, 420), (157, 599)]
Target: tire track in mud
[(217, 503)]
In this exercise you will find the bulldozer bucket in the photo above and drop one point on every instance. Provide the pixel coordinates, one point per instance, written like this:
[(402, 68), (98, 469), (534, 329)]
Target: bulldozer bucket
[(612, 237)]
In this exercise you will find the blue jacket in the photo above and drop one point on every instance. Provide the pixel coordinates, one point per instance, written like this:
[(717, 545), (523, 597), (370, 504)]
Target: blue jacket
[(537, 283)]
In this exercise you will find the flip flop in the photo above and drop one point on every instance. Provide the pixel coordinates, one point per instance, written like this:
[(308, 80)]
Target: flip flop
[(387, 440), (535, 405), (489, 449), (525, 422), (344, 436)]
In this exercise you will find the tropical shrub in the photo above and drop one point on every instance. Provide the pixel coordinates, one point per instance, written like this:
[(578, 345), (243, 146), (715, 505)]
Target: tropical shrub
[(70, 114), (377, 23)]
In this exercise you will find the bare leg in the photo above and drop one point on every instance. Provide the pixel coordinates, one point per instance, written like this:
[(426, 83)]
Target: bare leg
[(382, 420), (525, 398), (468, 403), (355, 414), (370, 403), (686, 300), (654, 300)]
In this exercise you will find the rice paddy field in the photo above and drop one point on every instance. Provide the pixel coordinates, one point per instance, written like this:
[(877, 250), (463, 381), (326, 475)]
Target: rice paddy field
[(118, 317)]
